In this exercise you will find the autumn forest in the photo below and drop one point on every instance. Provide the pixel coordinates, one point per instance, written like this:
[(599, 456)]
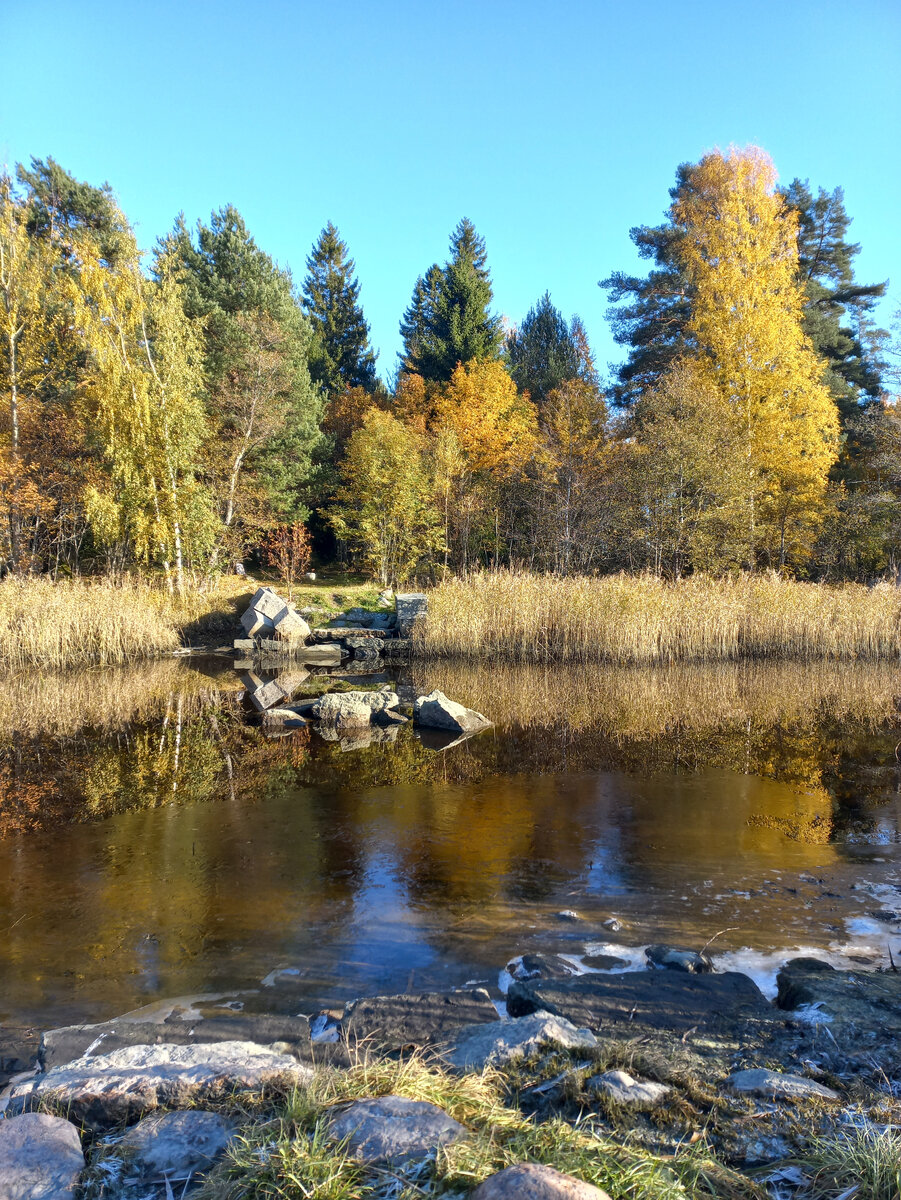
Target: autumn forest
[(179, 411)]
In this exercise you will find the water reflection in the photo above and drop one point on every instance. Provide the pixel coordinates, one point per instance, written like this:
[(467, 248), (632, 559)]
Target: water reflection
[(154, 843)]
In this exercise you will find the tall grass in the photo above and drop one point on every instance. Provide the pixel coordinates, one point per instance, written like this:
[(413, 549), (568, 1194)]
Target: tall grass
[(75, 622), (641, 619)]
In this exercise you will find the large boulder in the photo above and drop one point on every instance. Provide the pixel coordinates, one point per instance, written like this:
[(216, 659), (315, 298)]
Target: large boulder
[(353, 707), (435, 711), (40, 1158), (63, 1045), (395, 1130), (410, 608), (622, 1005), (417, 1020), (475, 1046), (290, 626), (533, 1181), (109, 1089)]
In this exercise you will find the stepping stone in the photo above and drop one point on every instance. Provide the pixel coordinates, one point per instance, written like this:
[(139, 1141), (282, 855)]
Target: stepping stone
[(395, 1130)]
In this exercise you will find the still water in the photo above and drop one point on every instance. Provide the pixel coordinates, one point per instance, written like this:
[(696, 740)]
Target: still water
[(154, 844)]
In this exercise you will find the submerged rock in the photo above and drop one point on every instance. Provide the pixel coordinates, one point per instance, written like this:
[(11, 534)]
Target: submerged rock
[(774, 1085), (395, 1130), (625, 1089), (435, 711), (678, 958), (120, 1087), (540, 966), (40, 1158), (532, 1181), (475, 1046)]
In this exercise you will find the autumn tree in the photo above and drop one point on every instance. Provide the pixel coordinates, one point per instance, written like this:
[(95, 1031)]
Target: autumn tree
[(340, 354), (449, 319), (385, 509), (739, 253)]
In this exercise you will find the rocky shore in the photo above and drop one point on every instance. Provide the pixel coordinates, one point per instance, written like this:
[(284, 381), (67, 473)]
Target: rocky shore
[(558, 1088)]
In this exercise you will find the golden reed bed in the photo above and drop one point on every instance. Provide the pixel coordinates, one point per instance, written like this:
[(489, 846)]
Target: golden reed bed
[(630, 619)]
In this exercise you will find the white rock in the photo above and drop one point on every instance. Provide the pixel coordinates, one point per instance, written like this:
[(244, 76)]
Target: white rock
[(773, 1085), (435, 711), (353, 706), (625, 1089), (502, 1041)]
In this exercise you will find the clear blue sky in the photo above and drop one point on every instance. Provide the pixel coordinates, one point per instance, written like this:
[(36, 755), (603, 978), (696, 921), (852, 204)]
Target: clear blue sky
[(554, 127)]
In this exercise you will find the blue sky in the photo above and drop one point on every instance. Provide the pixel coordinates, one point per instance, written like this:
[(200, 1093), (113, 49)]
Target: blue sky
[(553, 127)]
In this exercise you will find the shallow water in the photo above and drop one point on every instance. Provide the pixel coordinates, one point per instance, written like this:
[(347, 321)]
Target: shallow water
[(154, 844)]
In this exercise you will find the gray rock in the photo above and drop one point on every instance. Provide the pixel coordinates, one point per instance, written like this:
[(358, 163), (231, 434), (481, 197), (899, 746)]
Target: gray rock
[(435, 711), (350, 706), (625, 1089), (404, 1020), (268, 603), (396, 648), (541, 966), (290, 626), (678, 958), (410, 607), (568, 914), (623, 1003), (774, 1085), (284, 718), (604, 962), (125, 1084), (502, 1041), (61, 1046), (40, 1158), (531, 1181), (364, 649), (395, 1130), (179, 1143)]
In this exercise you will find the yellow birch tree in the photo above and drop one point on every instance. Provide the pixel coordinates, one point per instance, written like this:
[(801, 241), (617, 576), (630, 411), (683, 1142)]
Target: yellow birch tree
[(739, 253)]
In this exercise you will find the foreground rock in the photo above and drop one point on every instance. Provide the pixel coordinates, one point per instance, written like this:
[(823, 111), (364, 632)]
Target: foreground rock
[(177, 1144), (40, 1158), (625, 1089), (61, 1046), (395, 1130), (414, 1020), (435, 711), (624, 1005), (773, 1085), (353, 707), (475, 1046), (530, 1181), (120, 1087)]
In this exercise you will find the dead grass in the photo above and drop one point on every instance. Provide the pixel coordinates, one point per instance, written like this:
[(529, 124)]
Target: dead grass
[(641, 619)]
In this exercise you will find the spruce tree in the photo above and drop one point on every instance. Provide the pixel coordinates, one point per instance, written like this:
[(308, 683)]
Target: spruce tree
[(449, 319), (545, 352), (341, 356)]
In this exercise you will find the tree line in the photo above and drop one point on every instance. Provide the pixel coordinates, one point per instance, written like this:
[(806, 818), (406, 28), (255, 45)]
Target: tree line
[(177, 411)]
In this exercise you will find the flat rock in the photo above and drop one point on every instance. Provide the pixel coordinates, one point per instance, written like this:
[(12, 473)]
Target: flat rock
[(532, 1181), (404, 1020), (120, 1087), (435, 711), (475, 1046), (603, 962), (618, 1005), (678, 958), (395, 1130), (60, 1046), (40, 1158), (774, 1085), (625, 1089), (540, 966), (178, 1142)]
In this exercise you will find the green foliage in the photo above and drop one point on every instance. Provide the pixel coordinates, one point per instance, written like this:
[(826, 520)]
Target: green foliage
[(546, 352), (384, 507), (449, 320), (340, 356)]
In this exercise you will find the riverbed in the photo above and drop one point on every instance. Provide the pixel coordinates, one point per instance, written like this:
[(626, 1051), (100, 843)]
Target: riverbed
[(156, 843)]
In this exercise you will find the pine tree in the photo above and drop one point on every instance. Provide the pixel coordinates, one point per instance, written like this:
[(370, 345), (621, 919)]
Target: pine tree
[(546, 352), (449, 320), (340, 356)]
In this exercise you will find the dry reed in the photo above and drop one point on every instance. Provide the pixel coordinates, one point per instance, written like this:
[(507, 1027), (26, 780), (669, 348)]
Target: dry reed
[(627, 619), (76, 622)]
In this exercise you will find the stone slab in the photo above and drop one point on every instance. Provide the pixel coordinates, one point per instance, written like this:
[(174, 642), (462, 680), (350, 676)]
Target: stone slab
[(475, 1046), (419, 1019)]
